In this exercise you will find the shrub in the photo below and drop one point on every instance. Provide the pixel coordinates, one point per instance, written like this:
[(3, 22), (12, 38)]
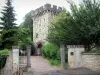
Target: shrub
[(4, 52), (95, 51), (23, 47), (55, 62), (3, 57), (2, 61), (51, 51), (9, 38)]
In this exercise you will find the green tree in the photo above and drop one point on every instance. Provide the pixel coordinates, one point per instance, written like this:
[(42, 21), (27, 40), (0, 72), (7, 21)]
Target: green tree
[(87, 22), (9, 38), (9, 32), (25, 38), (8, 16), (25, 33), (28, 22), (59, 27), (80, 26)]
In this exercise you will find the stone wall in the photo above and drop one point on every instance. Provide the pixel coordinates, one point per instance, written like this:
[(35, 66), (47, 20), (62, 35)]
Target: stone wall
[(12, 63), (15, 57), (41, 21), (91, 61), (7, 70), (47, 7), (40, 26)]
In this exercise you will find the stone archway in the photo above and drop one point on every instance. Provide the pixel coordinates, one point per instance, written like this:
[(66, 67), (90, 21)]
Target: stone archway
[(38, 48)]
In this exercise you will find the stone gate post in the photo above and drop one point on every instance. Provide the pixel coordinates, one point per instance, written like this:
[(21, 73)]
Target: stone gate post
[(75, 55), (28, 57), (15, 56), (62, 54)]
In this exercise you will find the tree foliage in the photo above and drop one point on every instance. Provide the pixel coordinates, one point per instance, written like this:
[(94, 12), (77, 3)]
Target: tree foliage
[(57, 28), (9, 29), (80, 26), (8, 16), (24, 37), (12, 34), (28, 22), (9, 38)]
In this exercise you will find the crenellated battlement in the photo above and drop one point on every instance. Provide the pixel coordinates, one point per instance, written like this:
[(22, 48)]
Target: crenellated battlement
[(42, 17), (48, 7)]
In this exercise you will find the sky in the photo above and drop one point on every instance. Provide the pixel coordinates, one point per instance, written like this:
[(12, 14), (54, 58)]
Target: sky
[(22, 7)]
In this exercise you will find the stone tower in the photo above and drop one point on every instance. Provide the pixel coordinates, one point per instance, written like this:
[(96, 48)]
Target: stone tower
[(41, 21)]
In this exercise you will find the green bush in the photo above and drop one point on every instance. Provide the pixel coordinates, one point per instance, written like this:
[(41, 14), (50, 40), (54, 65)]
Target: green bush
[(9, 38), (3, 57), (4, 52), (95, 51), (2, 61), (51, 51), (55, 62)]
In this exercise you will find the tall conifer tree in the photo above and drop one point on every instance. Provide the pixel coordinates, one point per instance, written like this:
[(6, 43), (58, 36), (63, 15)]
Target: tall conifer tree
[(9, 34), (8, 16)]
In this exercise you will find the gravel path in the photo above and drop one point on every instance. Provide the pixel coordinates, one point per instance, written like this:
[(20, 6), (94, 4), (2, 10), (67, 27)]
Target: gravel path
[(39, 64)]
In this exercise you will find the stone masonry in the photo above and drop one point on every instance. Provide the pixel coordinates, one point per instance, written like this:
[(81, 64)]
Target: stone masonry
[(75, 55), (41, 21), (7, 70), (91, 61), (77, 58)]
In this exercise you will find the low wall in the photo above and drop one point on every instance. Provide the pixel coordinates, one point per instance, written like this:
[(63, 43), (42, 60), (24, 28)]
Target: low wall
[(7, 70), (91, 61)]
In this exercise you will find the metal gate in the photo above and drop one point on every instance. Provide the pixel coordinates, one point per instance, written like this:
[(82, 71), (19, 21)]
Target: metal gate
[(24, 59), (17, 61)]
